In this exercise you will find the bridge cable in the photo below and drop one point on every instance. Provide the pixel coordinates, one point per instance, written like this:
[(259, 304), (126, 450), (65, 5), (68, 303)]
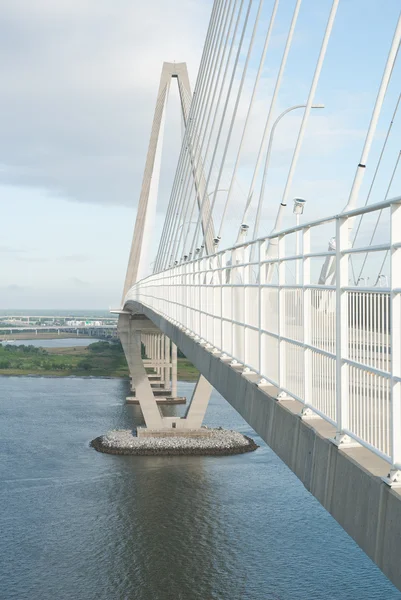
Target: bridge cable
[(385, 80), (223, 118), (305, 118), (196, 106), (250, 48), (198, 127), (374, 179), (204, 70), (255, 87), (203, 156), (377, 224), (197, 163), (216, 106), (267, 128), (271, 108)]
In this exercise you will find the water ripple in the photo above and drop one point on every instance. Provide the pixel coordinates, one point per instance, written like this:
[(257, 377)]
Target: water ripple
[(78, 524)]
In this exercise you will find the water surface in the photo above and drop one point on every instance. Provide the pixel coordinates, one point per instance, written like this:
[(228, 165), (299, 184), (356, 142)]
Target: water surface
[(54, 342), (76, 524)]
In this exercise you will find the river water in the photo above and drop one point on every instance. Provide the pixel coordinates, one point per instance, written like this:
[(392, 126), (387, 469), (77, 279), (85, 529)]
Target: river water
[(76, 524), (54, 343)]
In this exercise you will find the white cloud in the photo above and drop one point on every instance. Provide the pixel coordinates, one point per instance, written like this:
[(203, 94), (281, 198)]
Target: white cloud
[(79, 83)]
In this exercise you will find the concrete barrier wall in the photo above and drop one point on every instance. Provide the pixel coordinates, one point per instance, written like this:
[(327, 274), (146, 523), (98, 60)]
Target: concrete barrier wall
[(346, 482)]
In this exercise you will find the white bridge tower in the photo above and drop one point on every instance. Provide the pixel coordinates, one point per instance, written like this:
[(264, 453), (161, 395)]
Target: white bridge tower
[(137, 333)]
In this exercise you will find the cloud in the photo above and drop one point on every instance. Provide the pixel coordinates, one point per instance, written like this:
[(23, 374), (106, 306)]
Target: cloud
[(13, 287), (79, 282), (10, 250), (20, 255), (79, 84), (75, 258), (32, 259)]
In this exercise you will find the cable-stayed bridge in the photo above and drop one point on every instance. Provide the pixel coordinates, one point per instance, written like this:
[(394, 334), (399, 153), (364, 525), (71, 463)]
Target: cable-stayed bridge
[(300, 328)]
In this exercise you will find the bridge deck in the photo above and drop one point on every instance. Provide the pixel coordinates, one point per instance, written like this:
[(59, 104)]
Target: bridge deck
[(346, 482)]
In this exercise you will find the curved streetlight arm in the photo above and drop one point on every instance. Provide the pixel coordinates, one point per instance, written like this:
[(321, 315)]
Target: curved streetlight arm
[(283, 203), (267, 164), (219, 190)]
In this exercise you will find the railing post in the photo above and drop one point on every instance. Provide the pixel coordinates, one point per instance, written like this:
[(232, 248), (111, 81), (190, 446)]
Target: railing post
[(216, 319), (261, 281), (232, 279), (244, 298), (281, 315), (395, 345), (307, 317), (222, 283), (342, 384)]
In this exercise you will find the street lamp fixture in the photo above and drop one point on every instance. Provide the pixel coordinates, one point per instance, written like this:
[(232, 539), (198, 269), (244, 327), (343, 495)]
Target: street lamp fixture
[(299, 205), (267, 164), (298, 210)]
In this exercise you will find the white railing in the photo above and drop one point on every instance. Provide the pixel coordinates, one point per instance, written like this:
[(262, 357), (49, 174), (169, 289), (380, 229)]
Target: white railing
[(335, 347)]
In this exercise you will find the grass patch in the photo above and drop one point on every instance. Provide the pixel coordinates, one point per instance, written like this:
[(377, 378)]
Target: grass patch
[(101, 359)]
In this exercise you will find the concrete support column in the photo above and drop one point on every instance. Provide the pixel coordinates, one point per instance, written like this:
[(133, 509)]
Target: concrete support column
[(158, 353), (131, 342), (199, 403), (163, 359), (173, 370), (167, 362)]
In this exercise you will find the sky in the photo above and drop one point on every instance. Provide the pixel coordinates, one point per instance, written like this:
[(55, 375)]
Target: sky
[(79, 84)]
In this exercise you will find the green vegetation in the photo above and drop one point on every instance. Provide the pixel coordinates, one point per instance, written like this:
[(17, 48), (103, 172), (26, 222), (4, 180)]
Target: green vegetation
[(101, 359), (186, 371)]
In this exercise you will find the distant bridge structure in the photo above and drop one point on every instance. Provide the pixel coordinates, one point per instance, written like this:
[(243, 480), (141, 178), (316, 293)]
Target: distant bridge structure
[(36, 324), (285, 326)]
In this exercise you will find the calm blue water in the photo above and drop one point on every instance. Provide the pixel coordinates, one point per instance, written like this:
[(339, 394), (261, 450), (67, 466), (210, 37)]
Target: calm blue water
[(56, 312), (54, 343), (76, 524)]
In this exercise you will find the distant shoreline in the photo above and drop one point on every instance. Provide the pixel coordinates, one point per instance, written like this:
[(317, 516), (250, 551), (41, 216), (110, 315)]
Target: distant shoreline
[(41, 336), (63, 376), (99, 359)]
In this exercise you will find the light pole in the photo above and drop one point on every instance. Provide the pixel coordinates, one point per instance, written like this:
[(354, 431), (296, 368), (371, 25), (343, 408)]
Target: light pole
[(185, 257), (219, 190), (299, 205), (216, 240), (267, 164)]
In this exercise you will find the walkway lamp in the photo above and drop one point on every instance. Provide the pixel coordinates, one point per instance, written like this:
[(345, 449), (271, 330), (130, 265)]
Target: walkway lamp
[(267, 164), (217, 239), (298, 210)]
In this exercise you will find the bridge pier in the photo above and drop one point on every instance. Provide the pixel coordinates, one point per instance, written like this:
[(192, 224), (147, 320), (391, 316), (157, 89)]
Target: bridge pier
[(148, 390), (130, 336)]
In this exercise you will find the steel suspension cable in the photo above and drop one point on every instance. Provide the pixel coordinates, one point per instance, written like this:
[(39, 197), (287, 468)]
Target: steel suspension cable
[(222, 120), (204, 60), (388, 69), (377, 224), (217, 105), (306, 114), (193, 171), (374, 176), (203, 70), (222, 164), (193, 123), (255, 87), (271, 108), (202, 161), (211, 40)]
